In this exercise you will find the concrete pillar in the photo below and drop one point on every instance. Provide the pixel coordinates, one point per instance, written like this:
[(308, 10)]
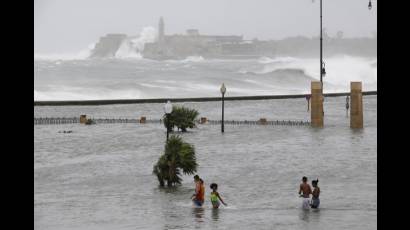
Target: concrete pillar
[(203, 120), (83, 119), (143, 120), (263, 121), (356, 105), (316, 111)]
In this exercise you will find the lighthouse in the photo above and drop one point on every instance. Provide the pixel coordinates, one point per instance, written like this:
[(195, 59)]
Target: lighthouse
[(161, 30)]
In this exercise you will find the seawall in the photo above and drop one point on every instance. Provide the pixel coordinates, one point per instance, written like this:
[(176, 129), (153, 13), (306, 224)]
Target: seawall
[(195, 99)]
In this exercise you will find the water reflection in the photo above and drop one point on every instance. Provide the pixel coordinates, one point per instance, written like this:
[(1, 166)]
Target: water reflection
[(315, 215), (309, 215), (215, 214), (198, 213), (304, 214)]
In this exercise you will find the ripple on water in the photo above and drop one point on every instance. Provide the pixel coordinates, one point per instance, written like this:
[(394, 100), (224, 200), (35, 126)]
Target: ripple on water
[(101, 176)]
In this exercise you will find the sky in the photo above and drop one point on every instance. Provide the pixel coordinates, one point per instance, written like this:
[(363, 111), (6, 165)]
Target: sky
[(63, 26)]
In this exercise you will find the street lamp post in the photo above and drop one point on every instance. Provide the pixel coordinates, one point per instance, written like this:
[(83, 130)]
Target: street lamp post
[(168, 111), (347, 106), (223, 90), (322, 64)]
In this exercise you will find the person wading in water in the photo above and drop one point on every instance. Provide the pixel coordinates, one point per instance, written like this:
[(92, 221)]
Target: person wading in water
[(199, 197), (315, 194), (305, 191)]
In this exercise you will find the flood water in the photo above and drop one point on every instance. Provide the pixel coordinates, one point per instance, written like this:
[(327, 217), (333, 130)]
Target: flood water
[(100, 176)]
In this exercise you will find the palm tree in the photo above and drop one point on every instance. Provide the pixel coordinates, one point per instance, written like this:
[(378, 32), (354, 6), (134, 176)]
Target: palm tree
[(178, 156), (181, 117)]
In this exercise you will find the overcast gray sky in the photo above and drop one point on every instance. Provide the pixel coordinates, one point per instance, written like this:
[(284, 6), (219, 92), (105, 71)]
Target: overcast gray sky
[(62, 26)]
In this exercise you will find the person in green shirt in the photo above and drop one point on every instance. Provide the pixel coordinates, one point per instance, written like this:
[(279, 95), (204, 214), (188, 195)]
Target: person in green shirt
[(215, 197)]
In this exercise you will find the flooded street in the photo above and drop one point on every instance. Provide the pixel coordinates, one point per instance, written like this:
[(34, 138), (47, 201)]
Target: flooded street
[(100, 176)]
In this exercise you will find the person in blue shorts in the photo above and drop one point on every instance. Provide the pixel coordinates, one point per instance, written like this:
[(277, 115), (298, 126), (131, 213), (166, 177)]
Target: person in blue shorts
[(315, 194)]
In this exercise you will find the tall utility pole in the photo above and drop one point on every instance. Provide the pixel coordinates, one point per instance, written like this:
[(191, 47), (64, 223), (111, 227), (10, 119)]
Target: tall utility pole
[(321, 47)]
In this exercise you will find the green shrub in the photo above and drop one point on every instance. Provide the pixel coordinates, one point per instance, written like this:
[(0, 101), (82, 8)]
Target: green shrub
[(89, 122)]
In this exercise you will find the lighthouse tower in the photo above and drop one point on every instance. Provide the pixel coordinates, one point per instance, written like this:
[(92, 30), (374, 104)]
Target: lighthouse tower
[(161, 30)]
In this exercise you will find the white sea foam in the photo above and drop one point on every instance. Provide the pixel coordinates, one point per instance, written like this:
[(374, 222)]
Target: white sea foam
[(132, 48), (165, 81), (159, 86), (79, 93), (172, 79), (339, 69), (193, 59), (83, 54), (148, 34), (267, 60), (129, 48)]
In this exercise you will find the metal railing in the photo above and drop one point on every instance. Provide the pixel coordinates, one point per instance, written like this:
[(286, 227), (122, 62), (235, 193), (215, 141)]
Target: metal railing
[(75, 120)]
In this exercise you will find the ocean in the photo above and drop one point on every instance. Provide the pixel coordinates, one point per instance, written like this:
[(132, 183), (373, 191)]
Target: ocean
[(139, 78)]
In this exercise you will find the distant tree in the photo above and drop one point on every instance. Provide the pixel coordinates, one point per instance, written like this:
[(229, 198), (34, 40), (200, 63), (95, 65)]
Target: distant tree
[(178, 156), (181, 117)]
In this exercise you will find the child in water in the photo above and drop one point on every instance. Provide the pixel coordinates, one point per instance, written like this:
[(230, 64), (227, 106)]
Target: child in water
[(315, 194), (215, 196)]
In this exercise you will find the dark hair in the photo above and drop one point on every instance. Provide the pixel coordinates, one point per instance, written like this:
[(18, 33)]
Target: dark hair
[(201, 180), (304, 179), (315, 181), (196, 177), (213, 186)]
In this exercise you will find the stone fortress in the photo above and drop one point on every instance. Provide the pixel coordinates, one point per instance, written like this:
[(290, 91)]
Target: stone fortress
[(192, 43), (180, 46), (208, 46)]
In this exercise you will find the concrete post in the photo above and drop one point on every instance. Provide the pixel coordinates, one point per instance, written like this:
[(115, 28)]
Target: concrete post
[(263, 121), (83, 119), (143, 120), (203, 120), (356, 105), (316, 111)]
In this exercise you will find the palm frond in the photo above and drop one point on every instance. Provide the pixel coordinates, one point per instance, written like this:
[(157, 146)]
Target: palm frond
[(178, 156)]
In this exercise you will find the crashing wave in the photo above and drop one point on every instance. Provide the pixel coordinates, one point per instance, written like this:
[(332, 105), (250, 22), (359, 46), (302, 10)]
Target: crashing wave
[(82, 55), (340, 69), (267, 60), (193, 59), (132, 48)]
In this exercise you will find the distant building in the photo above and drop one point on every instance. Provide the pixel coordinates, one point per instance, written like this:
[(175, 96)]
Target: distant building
[(180, 46), (108, 45), (195, 44), (192, 32)]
